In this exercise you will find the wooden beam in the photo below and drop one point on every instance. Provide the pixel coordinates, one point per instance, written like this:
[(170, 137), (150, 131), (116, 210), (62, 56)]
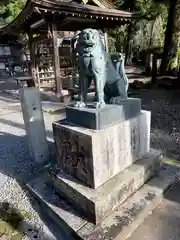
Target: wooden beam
[(32, 56), (56, 60), (37, 24)]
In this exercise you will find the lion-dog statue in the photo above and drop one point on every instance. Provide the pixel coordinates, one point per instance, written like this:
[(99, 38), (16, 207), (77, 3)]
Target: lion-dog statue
[(111, 82)]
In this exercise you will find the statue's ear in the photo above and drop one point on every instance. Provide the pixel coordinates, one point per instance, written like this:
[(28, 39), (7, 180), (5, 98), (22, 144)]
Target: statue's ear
[(75, 40), (101, 32), (76, 35)]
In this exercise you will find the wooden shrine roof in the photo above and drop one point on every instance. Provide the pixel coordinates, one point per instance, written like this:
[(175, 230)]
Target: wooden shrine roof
[(68, 16)]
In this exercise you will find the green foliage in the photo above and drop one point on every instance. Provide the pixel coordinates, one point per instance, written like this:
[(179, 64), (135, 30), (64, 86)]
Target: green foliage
[(147, 32), (120, 37), (11, 9), (147, 8), (111, 44), (4, 2), (174, 63), (10, 220)]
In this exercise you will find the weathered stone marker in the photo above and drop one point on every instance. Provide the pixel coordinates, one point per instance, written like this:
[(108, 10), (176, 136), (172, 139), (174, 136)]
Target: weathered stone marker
[(34, 124)]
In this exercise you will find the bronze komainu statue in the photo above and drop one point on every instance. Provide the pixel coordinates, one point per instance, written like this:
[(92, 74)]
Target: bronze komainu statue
[(94, 63)]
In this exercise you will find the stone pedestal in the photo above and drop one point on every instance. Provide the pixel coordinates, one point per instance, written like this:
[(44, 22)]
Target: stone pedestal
[(97, 119), (95, 156), (99, 174)]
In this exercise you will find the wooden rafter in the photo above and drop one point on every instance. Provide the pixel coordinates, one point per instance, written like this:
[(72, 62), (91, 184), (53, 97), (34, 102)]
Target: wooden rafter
[(104, 4), (99, 3)]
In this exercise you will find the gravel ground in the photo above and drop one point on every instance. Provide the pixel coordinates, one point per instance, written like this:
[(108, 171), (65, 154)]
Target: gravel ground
[(165, 120), (16, 166)]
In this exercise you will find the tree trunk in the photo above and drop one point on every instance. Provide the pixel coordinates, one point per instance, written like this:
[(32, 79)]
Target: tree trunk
[(148, 68), (176, 35), (128, 46), (154, 69), (132, 7), (169, 58)]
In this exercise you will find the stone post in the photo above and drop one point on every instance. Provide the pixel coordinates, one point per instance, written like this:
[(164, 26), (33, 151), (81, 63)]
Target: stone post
[(34, 124)]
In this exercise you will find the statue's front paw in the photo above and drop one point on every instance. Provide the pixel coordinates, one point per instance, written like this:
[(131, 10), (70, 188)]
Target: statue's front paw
[(117, 100), (80, 104), (101, 104)]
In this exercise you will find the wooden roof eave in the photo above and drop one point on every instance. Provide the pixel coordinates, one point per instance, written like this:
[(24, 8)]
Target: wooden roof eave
[(80, 8), (76, 10)]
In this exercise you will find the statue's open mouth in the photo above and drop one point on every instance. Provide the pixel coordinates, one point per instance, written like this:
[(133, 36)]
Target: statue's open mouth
[(89, 44)]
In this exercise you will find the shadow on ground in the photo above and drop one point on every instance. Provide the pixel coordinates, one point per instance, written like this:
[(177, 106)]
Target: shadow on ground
[(16, 164), (15, 159), (8, 84)]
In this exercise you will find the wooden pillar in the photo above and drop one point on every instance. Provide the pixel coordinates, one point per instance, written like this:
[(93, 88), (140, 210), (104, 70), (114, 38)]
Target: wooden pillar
[(154, 69), (128, 59), (56, 60), (38, 78), (32, 58)]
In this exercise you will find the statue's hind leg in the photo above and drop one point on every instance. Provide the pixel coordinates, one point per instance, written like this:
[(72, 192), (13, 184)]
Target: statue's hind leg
[(121, 94)]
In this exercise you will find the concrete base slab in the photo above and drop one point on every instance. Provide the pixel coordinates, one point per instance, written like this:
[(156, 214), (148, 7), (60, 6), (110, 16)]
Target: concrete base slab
[(53, 107), (121, 223), (96, 204), (163, 223)]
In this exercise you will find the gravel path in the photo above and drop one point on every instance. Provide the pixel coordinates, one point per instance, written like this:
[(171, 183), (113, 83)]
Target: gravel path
[(16, 166)]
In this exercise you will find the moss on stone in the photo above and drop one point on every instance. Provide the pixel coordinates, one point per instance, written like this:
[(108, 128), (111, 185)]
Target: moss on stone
[(10, 219), (8, 232)]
